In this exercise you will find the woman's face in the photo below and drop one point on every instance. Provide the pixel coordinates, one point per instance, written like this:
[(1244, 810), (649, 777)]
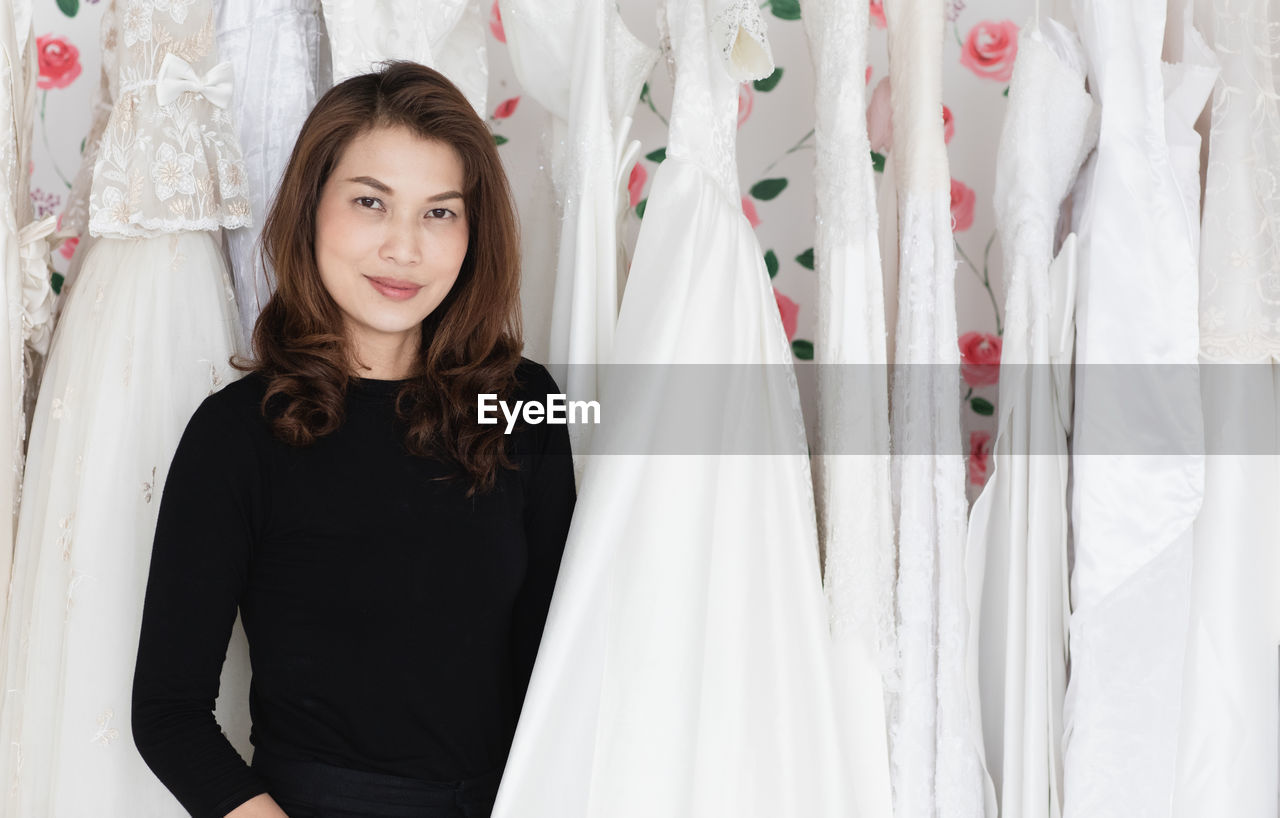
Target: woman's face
[(391, 234)]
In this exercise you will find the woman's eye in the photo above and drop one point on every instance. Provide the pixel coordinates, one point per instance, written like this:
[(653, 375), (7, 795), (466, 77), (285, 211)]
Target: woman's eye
[(369, 202), (440, 213)]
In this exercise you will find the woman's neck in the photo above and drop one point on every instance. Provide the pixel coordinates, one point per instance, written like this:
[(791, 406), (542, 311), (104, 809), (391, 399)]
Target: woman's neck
[(386, 357)]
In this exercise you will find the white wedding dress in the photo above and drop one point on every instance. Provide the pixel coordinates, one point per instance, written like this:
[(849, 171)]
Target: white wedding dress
[(935, 728), (582, 64), (1137, 445), (447, 35), (685, 671), (1018, 525), (283, 40), (145, 337), (852, 464), (26, 321), (1227, 749)]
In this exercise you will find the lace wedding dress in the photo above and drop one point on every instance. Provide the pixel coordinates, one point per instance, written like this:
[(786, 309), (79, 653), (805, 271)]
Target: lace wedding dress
[(1227, 750), (852, 466), (935, 732), (685, 667), (1018, 525), (26, 322), (283, 40), (582, 64), (1137, 445), (145, 336)]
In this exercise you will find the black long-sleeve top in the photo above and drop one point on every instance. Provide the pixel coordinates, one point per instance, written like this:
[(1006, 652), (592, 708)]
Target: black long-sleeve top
[(392, 621)]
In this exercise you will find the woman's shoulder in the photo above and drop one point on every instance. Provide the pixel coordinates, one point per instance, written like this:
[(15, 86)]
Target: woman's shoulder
[(533, 381), (237, 405)]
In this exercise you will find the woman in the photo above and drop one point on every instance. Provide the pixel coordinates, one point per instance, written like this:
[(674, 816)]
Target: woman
[(392, 560)]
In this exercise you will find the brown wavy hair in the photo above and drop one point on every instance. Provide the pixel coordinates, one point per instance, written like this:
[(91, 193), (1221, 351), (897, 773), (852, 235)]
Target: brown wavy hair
[(470, 343)]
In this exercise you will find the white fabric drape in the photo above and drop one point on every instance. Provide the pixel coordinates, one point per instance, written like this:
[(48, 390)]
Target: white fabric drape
[(852, 464), (447, 35), (281, 40), (684, 670), (582, 64), (1137, 461), (1227, 750), (936, 741), (1018, 526)]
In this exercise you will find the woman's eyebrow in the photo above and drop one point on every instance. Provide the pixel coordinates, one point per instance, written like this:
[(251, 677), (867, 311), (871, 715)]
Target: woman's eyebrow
[(381, 187)]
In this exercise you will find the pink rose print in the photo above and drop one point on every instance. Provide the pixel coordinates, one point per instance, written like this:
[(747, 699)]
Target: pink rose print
[(989, 50), (635, 184), (979, 457), (880, 117), (495, 23), (749, 210), (746, 99), (948, 125), (962, 200), (980, 358), (506, 108), (68, 247), (877, 14), (59, 62), (790, 312)]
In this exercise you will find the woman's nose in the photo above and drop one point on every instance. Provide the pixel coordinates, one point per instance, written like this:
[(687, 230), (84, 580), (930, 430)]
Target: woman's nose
[(402, 243)]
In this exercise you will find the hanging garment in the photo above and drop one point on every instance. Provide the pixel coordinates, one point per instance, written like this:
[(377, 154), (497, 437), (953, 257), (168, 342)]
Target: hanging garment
[(852, 465), (283, 40), (1227, 750), (26, 322), (1018, 527), (935, 733), (582, 64), (447, 35), (145, 337), (684, 670), (1137, 462)]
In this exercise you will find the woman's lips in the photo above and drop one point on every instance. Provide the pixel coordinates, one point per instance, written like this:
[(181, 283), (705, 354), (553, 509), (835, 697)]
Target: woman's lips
[(395, 288)]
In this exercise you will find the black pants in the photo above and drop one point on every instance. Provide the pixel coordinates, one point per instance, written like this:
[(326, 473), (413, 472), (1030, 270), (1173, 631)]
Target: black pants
[(309, 789)]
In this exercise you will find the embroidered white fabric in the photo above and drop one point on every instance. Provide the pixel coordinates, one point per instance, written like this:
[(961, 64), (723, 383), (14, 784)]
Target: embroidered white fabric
[(935, 731), (855, 526), (164, 168)]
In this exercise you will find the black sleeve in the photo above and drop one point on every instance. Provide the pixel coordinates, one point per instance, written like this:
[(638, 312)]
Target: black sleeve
[(208, 517), (549, 500)]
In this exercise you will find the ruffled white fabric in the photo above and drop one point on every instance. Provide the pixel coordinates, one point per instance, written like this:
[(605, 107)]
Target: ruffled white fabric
[(586, 68), (684, 671), (163, 168), (1137, 462), (1018, 527), (283, 40), (448, 35), (852, 470), (144, 338)]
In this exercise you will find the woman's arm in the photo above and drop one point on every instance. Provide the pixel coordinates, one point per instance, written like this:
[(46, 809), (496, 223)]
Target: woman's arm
[(209, 516), (549, 499)]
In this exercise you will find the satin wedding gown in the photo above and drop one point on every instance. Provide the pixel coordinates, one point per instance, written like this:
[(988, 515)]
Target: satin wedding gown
[(1138, 441), (852, 464), (685, 670), (1018, 525), (145, 336), (582, 64)]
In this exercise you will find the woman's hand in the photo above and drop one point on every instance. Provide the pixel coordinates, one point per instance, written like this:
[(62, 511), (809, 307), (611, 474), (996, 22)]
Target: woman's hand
[(259, 806)]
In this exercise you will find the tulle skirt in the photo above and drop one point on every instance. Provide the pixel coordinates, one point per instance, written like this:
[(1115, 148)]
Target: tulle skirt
[(144, 337)]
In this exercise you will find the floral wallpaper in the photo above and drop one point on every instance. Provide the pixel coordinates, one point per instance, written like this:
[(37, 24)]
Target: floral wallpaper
[(775, 153)]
